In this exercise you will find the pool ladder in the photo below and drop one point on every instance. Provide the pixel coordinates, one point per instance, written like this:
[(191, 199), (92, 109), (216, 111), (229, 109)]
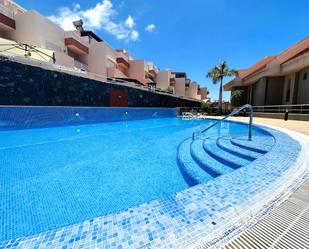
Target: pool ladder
[(247, 106)]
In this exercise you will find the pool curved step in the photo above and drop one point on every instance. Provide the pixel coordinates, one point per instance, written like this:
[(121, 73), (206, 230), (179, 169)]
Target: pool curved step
[(235, 162), (259, 144), (225, 144), (191, 171), (207, 162), (205, 158)]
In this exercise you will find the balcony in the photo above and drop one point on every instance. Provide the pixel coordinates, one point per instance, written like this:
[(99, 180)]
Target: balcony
[(75, 43), (150, 69), (115, 73), (122, 60), (199, 90), (80, 65), (7, 22), (172, 81)]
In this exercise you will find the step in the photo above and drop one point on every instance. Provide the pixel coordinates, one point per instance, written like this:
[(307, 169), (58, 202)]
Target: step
[(260, 144), (191, 171), (222, 156), (206, 162), (225, 144)]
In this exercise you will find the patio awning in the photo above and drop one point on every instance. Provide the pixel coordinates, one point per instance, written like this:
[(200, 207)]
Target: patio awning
[(20, 49)]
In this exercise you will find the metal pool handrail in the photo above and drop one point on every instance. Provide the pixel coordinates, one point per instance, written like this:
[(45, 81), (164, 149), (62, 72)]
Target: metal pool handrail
[(247, 106)]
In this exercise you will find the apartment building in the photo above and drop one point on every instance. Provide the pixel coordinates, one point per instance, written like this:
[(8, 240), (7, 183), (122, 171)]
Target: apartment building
[(166, 81), (83, 50), (180, 83), (275, 80), (192, 90), (143, 71), (204, 92), (76, 49)]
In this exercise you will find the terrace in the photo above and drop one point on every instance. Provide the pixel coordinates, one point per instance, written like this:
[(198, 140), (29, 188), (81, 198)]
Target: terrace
[(75, 43)]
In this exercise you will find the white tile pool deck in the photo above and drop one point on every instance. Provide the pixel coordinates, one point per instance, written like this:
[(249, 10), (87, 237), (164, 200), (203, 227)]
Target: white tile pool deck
[(183, 220)]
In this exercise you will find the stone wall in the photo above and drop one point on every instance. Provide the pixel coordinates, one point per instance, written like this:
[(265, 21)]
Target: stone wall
[(22, 84)]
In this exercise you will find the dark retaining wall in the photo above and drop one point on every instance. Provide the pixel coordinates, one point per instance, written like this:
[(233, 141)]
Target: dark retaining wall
[(28, 85)]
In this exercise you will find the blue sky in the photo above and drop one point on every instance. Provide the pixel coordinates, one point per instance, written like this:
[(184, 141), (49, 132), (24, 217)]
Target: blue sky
[(189, 36)]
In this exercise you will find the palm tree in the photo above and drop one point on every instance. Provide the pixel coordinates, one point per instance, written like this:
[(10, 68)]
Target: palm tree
[(217, 74)]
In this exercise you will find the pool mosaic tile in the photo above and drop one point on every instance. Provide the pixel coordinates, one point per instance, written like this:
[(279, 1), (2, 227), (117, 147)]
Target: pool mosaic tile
[(181, 219)]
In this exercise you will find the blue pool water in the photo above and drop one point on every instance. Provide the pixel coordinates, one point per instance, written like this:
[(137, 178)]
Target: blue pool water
[(56, 176)]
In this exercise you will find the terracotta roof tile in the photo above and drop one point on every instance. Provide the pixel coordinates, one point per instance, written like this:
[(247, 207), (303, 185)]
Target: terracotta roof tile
[(258, 66), (294, 51)]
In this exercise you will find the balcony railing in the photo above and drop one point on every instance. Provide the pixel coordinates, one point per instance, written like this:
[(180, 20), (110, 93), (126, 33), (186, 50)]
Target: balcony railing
[(5, 11)]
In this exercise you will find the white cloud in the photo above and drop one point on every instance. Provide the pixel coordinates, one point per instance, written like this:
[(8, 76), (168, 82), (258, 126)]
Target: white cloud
[(150, 27), (134, 35), (130, 22), (100, 17)]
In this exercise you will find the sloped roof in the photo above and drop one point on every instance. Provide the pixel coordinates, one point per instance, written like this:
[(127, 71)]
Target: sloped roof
[(296, 50), (290, 53), (258, 66)]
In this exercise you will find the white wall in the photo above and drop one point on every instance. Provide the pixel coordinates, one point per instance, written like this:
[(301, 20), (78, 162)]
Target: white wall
[(192, 91), (37, 30), (137, 71), (101, 57), (163, 79), (63, 59), (180, 87)]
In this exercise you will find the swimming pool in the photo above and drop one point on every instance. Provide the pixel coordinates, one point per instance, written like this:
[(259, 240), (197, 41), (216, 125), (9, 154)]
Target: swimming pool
[(55, 174)]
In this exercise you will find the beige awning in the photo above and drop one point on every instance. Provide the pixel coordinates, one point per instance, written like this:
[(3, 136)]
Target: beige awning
[(18, 49)]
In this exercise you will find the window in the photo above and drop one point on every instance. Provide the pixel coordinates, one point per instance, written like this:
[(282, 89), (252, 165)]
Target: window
[(305, 76), (288, 91)]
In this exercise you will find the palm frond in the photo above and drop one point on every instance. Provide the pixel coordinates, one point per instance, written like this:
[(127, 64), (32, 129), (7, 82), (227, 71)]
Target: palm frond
[(230, 72), (214, 74)]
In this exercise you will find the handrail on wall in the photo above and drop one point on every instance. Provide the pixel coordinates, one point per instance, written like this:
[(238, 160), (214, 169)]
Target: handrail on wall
[(247, 106)]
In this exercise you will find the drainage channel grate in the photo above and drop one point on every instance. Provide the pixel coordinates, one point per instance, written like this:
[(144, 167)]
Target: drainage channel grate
[(287, 226)]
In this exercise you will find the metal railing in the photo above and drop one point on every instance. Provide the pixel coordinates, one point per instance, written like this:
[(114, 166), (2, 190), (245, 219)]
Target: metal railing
[(297, 109), (247, 106)]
